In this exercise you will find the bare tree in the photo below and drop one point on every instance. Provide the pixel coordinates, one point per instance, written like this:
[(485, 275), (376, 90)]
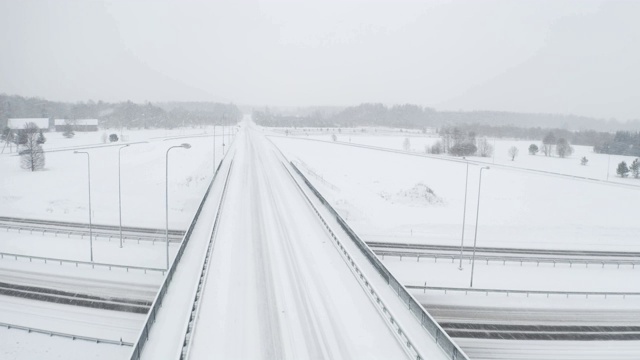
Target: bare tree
[(563, 149), (513, 152), (484, 148), (548, 144), (32, 156)]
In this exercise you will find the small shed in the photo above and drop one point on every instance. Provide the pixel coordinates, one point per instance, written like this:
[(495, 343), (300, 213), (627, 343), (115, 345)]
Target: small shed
[(19, 124), (77, 125)]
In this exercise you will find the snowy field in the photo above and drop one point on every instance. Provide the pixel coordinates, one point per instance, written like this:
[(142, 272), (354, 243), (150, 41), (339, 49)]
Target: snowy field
[(599, 166), (60, 191), (385, 197), (396, 197)]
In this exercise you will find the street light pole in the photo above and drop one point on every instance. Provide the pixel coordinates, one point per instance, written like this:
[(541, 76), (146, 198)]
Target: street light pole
[(475, 236), (120, 193), (214, 149), (166, 198), (464, 214), (89, 181)]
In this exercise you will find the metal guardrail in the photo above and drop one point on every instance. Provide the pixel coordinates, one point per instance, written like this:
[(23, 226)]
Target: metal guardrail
[(157, 302), (522, 252), (93, 265), (451, 349), (65, 335), (96, 234), (362, 279), (548, 293), (508, 259), (190, 326)]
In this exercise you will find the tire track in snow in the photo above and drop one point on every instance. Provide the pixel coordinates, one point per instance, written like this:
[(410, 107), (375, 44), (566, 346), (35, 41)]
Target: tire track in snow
[(271, 338)]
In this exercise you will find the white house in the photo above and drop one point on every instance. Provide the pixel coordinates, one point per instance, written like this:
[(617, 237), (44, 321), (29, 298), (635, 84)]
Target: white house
[(78, 125), (19, 124)]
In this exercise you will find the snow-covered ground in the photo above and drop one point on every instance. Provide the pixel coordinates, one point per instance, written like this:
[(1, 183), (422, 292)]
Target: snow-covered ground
[(599, 166), (60, 191), (133, 253), (380, 194), (387, 196), (74, 320)]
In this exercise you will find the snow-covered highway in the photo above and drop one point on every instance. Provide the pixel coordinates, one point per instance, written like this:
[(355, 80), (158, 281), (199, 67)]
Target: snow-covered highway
[(275, 285), (277, 288)]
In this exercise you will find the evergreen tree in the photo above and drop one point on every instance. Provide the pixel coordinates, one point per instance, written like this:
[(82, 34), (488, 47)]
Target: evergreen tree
[(635, 168), (68, 131), (623, 169), (41, 138), (584, 161), (533, 149)]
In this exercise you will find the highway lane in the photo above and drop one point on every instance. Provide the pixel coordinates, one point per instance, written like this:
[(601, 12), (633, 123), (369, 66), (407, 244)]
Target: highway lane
[(98, 323), (599, 316), (276, 286), (99, 282), (483, 349)]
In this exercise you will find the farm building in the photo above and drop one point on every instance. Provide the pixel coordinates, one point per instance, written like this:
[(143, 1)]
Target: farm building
[(77, 125), (19, 124)]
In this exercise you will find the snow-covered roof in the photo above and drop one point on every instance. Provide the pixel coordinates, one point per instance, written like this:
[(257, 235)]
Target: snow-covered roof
[(85, 122), (17, 124)]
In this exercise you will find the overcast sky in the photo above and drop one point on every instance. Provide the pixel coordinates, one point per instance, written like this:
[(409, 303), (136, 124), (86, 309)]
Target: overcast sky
[(580, 57)]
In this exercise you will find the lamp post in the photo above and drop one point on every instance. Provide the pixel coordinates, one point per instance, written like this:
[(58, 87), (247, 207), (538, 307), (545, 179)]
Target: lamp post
[(184, 146), (464, 213), (224, 126), (214, 149), (89, 182), (475, 237), (120, 192)]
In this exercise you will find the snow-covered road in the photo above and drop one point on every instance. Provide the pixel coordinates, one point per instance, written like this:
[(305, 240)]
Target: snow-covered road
[(482, 349), (76, 320), (277, 288)]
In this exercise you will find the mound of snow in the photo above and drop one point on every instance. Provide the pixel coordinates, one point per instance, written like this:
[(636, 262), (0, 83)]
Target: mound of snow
[(418, 195)]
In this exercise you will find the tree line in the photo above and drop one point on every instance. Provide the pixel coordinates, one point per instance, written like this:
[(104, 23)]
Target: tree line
[(622, 143), (418, 117), (577, 130), (125, 114)]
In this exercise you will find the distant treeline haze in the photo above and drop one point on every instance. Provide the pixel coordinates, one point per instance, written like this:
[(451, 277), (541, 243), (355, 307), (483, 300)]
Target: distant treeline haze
[(606, 136), (123, 114)]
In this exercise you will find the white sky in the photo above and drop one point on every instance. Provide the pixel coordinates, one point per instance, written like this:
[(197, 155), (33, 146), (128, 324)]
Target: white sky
[(580, 57)]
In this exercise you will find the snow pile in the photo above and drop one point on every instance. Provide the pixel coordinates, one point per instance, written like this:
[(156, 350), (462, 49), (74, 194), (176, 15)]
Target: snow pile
[(419, 195)]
